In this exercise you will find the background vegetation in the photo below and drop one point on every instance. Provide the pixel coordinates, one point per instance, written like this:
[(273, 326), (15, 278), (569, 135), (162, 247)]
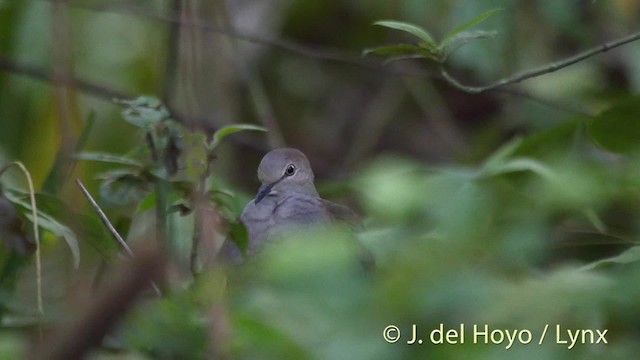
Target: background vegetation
[(515, 207)]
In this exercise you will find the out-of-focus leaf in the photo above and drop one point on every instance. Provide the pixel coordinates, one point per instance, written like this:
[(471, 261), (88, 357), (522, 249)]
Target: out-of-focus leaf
[(230, 129), (86, 223), (144, 111), (48, 222), (123, 186), (617, 129), (226, 202), (174, 196), (270, 342), (393, 189), (519, 164), (108, 158), (13, 345), (467, 24), (12, 232), (553, 141), (170, 328), (463, 38), (595, 220), (148, 202), (574, 186), (628, 256), (503, 153), (239, 235)]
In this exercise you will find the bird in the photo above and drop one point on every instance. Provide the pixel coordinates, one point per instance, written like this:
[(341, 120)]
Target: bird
[(287, 197)]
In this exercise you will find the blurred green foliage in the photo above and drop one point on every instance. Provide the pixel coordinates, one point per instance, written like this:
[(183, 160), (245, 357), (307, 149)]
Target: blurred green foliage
[(515, 210)]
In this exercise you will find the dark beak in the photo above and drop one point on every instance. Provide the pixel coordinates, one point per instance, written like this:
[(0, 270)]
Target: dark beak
[(264, 191)]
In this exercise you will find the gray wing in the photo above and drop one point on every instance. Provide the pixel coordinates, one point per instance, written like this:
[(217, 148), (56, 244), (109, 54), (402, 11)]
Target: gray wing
[(344, 214), (297, 209)]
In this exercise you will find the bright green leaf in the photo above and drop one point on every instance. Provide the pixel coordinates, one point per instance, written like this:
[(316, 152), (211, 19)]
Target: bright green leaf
[(230, 129), (409, 28), (467, 24)]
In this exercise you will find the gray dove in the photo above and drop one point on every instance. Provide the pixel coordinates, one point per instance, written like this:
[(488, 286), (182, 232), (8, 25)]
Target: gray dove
[(286, 198)]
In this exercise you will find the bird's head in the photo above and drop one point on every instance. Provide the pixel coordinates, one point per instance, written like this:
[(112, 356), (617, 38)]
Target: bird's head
[(285, 170)]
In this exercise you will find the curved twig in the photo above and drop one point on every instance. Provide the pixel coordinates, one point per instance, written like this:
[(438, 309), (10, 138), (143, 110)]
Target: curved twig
[(528, 74)]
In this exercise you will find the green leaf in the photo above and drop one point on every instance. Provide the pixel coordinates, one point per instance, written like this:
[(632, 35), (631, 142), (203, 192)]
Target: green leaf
[(108, 158), (414, 30), (396, 49), (503, 153), (122, 186), (48, 222), (405, 51), (518, 165), (463, 38), (617, 129), (144, 111), (230, 129), (630, 255), (239, 235), (558, 139), (467, 24)]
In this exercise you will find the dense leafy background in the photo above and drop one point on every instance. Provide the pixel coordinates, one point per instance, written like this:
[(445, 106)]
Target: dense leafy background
[(514, 209)]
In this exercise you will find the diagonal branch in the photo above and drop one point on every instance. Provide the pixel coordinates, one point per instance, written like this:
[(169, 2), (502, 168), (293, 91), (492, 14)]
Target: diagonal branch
[(528, 74), (110, 227)]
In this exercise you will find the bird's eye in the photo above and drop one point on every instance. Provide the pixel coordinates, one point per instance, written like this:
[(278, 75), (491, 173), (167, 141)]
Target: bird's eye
[(290, 170)]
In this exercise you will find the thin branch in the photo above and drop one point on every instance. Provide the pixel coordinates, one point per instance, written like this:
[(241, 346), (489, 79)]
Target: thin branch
[(313, 52), (555, 66), (100, 91), (40, 73), (110, 227)]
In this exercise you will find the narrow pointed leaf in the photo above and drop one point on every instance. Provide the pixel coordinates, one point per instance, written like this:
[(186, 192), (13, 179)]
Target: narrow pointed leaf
[(465, 37), (108, 158), (467, 24), (409, 28), (230, 129)]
